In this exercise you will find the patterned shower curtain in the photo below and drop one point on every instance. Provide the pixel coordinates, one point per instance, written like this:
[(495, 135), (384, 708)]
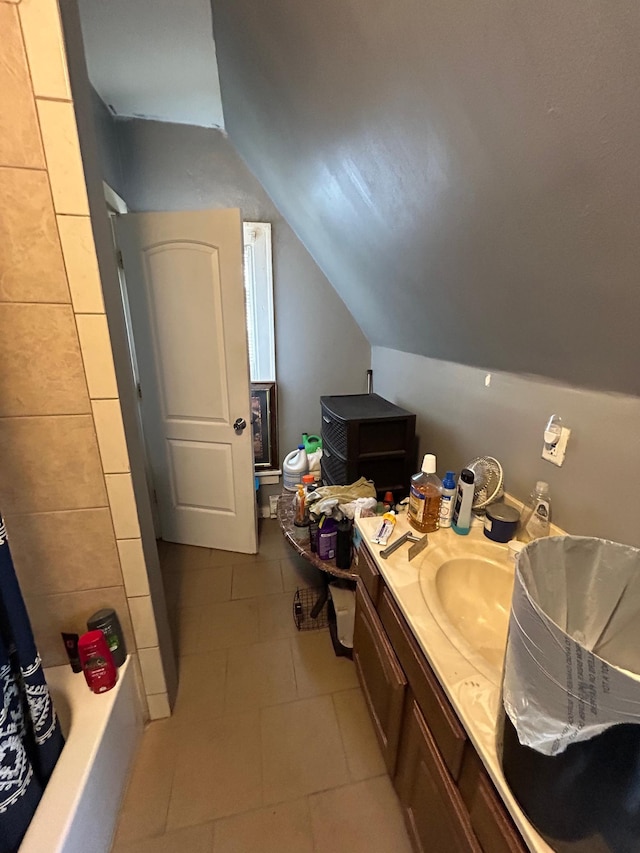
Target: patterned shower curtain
[(30, 736)]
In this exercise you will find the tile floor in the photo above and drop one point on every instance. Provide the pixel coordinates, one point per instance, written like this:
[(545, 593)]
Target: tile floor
[(270, 748)]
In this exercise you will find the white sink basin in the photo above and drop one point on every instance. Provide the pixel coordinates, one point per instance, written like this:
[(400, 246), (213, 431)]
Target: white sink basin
[(468, 589)]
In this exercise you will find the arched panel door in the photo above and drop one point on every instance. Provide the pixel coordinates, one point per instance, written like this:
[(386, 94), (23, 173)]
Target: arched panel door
[(186, 294)]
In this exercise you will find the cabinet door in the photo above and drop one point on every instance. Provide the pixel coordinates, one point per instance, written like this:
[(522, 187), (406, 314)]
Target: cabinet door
[(380, 675), (436, 817), (443, 723), (368, 572), (490, 820)]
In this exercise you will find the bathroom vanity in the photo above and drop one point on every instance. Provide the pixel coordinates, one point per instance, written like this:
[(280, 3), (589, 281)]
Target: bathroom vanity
[(429, 641)]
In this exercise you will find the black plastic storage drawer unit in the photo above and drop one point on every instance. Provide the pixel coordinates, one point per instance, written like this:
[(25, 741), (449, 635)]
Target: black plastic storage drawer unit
[(364, 435)]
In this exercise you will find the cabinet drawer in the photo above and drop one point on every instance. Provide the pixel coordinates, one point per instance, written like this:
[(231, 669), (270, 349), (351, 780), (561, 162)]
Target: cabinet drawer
[(335, 432), (440, 716), (368, 572), (490, 820), (434, 812), (335, 470), (381, 677)]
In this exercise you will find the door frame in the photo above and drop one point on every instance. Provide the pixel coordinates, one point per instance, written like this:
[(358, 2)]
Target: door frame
[(117, 206)]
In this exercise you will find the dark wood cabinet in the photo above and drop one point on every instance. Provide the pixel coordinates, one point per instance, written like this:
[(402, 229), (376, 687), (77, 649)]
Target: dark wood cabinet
[(380, 675), (449, 735), (490, 821), (364, 435), (435, 814), (449, 802), (368, 574)]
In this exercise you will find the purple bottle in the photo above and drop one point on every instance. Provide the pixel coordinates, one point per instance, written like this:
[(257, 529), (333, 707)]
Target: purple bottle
[(327, 537)]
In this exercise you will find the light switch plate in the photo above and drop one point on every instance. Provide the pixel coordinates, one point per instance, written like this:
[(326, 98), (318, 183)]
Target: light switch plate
[(555, 453)]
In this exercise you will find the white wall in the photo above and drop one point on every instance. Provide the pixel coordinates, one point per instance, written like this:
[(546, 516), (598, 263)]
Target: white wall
[(595, 493)]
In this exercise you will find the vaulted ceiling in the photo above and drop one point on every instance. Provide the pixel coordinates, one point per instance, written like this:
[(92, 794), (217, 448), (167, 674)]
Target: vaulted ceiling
[(466, 174)]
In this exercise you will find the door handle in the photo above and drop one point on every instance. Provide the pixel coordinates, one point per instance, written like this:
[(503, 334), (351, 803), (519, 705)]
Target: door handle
[(239, 425)]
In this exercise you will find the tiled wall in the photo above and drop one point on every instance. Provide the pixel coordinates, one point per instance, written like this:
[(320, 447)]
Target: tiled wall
[(65, 484)]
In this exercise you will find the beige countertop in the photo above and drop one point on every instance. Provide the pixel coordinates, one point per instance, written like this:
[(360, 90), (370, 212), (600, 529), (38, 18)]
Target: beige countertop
[(473, 688)]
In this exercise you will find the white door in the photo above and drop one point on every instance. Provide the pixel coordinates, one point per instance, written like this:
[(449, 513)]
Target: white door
[(186, 294)]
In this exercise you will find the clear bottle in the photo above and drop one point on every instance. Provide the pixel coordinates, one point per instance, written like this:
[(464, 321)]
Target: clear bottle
[(448, 499), (536, 518), (425, 496)]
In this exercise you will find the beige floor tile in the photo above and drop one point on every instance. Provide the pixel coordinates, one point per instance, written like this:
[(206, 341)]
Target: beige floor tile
[(298, 572), (193, 839), (364, 758), (361, 818), (271, 541), (269, 526), (146, 802), (231, 558), (231, 623), (200, 586), (274, 548), (254, 579), (318, 670), (301, 749), (285, 828), (171, 582), (259, 675), (201, 686), (185, 629), (218, 771), (177, 558), (276, 616)]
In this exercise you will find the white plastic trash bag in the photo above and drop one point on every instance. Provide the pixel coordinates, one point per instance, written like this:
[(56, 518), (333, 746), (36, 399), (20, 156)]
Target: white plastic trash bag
[(573, 652)]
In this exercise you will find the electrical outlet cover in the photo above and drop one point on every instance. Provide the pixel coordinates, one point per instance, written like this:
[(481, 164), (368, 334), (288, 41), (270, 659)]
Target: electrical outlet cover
[(556, 452)]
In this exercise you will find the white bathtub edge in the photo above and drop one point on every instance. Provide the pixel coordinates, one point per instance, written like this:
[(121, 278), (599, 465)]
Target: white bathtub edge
[(79, 808)]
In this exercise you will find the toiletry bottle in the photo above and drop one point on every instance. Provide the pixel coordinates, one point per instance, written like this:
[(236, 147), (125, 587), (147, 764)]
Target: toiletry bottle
[(461, 520), (448, 499), (70, 641), (327, 538), (97, 664), (107, 621), (425, 496), (536, 518), (300, 504), (343, 545)]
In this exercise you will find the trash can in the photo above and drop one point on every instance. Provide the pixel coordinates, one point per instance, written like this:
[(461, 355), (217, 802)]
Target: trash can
[(570, 743)]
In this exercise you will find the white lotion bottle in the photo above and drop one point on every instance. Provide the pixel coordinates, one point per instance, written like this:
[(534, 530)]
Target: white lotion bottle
[(461, 521), (448, 499)]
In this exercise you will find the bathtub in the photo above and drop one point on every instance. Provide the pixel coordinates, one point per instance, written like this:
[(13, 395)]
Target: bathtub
[(79, 808)]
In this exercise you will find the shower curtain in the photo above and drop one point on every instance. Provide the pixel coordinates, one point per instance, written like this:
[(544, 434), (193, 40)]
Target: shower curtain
[(30, 736)]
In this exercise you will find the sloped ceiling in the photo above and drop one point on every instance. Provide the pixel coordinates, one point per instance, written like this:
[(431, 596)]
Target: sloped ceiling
[(466, 174)]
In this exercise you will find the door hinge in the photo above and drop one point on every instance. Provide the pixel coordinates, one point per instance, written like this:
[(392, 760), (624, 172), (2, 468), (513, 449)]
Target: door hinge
[(119, 259), (139, 390)]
